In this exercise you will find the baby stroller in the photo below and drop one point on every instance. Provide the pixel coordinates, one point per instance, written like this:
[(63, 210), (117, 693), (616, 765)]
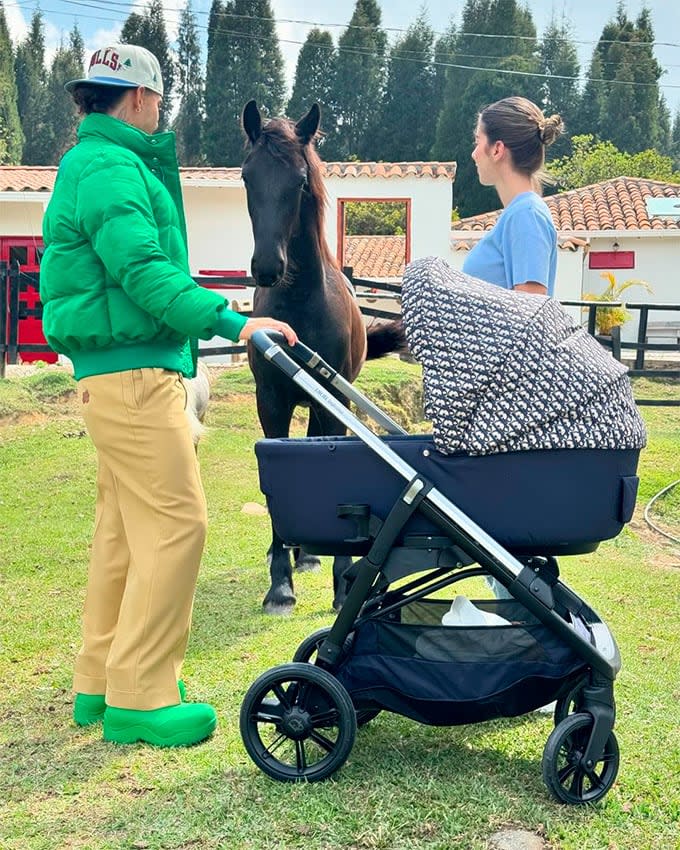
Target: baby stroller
[(419, 521)]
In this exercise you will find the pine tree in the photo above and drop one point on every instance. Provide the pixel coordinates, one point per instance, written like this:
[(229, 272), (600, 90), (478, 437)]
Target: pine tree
[(148, 30), (631, 73), (359, 80), (409, 98), (593, 101), (31, 80), (67, 64), (11, 136), (559, 58), (244, 62), (674, 150), (314, 82), (444, 55), (663, 141), (467, 91), (188, 124)]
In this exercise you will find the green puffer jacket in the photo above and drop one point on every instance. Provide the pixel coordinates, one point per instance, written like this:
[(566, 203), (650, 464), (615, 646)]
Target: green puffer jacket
[(114, 279)]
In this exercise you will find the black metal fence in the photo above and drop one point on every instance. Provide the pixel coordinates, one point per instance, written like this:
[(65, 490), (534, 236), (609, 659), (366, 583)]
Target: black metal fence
[(14, 308)]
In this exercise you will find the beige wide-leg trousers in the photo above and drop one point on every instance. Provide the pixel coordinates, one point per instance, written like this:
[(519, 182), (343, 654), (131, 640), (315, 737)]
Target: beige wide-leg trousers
[(150, 528)]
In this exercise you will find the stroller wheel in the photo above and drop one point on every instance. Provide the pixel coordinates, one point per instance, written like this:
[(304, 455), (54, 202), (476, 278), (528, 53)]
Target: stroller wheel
[(566, 778), (297, 723), (306, 653), (570, 703)]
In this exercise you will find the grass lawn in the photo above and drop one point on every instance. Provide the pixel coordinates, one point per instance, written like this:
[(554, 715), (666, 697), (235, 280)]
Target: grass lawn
[(404, 786)]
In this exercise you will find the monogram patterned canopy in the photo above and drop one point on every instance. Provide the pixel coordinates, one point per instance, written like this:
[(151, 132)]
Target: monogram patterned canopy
[(510, 371)]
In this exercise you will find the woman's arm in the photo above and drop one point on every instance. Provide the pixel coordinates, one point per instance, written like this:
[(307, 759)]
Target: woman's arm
[(533, 287)]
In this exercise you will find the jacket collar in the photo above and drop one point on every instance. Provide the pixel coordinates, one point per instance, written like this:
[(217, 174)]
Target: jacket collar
[(159, 145)]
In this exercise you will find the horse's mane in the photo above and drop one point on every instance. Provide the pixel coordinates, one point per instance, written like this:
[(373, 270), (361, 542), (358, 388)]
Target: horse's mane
[(281, 140)]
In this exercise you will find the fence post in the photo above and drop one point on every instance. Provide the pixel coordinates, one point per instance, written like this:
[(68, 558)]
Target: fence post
[(13, 341), (348, 271), (642, 338), (4, 283)]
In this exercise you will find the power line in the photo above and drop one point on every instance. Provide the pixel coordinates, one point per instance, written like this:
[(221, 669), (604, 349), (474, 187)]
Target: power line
[(126, 4), (368, 52)]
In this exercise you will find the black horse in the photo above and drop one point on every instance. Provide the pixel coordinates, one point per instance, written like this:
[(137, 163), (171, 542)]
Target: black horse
[(299, 282)]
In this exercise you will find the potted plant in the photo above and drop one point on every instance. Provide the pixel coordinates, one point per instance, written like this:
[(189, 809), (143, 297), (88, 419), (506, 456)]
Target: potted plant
[(607, 318)]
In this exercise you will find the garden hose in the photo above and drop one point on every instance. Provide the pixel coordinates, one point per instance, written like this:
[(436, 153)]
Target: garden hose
[(649, 505)]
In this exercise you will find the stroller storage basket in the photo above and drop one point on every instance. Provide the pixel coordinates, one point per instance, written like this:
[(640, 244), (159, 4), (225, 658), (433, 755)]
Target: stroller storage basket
[(552, 502), (408, 663)]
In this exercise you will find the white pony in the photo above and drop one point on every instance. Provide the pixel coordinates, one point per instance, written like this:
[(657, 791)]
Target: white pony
[(198, 395)]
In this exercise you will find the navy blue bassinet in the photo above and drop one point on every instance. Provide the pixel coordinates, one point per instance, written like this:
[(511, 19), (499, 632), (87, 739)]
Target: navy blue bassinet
[(545, 502)]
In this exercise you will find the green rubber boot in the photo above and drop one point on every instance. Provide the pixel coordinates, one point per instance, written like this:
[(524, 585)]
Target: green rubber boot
[(89, 708), (173, 726)]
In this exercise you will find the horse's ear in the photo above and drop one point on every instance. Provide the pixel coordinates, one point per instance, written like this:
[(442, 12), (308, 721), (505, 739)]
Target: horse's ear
[(306, 127), (252, 121)]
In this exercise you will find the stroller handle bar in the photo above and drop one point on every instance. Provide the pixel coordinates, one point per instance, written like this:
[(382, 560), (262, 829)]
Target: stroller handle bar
[(601, 652), (288, 358)]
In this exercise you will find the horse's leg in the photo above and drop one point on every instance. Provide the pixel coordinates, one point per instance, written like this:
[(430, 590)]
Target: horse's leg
[(323, 423), (275, 413)]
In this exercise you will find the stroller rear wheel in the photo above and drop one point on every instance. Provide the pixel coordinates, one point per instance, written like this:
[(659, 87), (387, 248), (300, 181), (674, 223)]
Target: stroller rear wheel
[(306, 653), (297, 723), (566, 778)]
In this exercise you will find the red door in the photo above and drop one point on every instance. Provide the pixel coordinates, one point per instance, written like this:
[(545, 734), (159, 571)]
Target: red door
[(27, 251)]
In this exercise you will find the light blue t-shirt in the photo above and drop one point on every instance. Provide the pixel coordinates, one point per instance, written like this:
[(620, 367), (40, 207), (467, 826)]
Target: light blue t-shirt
[(521, 247)]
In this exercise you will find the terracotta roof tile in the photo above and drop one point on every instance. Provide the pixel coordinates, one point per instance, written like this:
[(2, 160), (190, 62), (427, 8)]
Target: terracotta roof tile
[(375, 256), (617, 204), (390, 169), (25, 178)]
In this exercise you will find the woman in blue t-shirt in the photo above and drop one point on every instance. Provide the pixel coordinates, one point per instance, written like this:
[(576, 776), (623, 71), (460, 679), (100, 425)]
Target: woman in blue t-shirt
[(520, 252)]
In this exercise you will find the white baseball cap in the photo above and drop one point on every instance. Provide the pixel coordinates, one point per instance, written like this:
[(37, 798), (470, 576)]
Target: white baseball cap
[(125, 65)]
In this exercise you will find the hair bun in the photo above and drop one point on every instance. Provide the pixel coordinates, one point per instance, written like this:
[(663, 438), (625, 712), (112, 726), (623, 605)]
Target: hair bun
[(550, 129)]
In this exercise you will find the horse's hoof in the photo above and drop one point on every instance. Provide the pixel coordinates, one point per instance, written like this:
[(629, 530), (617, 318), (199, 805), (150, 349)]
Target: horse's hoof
[(308, 564), (337, 605), (279, 609)]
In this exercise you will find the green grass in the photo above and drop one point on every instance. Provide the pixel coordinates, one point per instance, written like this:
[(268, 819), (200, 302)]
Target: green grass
[(405, 786)]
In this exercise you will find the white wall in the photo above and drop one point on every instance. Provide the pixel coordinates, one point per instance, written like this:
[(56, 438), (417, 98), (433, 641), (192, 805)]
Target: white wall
[(21, 218), (657, 261), (218, 228), (430, 208)]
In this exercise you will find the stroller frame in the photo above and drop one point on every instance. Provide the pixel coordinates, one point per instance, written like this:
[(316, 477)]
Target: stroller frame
[(580, 741)]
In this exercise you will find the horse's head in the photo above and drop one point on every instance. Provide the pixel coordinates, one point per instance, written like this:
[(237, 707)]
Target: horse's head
[(276, 174)]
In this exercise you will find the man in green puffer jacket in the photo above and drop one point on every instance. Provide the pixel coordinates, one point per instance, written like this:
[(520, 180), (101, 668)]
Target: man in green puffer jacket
[(120, 303)]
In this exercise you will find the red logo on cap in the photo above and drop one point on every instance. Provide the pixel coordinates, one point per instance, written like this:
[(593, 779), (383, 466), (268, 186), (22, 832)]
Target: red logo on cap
[(108, 57)]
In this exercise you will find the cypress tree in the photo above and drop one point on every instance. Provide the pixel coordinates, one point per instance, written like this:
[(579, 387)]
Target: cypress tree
[(314, 82), (444, 55), (409, 97), (631, 73), (31, 81), (188, 124), (67, 64), (244, 62), (467, 90), (675, 141), (558, 58), (359, 80), (11, 135), (148, 30)]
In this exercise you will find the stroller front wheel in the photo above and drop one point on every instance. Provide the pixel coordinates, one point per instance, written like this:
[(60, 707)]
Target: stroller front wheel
[(566, 778), (307, 653), (297, 723)]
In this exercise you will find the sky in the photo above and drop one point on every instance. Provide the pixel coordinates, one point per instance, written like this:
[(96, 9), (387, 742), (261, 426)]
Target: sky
[(100, 22)]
